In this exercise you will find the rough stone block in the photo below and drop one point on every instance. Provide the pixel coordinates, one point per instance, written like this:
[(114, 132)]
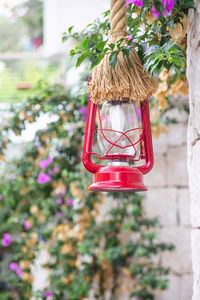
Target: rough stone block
[(173, 291), (162, 203), (178, 260), (157, 176), (160, 144), (177, 167), (186, 287), (180, 288), (184, 206), (178, 115), (196, 263), (194, 171), (177, 134)]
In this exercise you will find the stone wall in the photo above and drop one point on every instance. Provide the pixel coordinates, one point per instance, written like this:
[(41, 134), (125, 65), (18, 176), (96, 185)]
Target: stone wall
[(168, 198)]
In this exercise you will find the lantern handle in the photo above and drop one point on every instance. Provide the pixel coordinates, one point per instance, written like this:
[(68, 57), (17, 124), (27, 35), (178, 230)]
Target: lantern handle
[(88, 142), (147, 138)]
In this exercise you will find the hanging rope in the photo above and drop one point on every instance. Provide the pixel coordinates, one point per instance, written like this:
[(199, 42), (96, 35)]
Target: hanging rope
[(125, 81), (118, 17)]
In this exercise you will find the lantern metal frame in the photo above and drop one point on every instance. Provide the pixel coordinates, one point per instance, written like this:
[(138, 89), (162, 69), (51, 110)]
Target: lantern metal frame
[(118, 178)]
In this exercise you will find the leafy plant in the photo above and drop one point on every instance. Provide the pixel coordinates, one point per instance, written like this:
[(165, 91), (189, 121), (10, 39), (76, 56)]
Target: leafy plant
[(45, 206), (148, 28)]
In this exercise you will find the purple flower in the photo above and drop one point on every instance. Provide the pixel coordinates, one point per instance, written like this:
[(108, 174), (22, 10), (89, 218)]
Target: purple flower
[(139, 3), (19, 272), (45, 163), (66, 221), (156, 14), (168, 6), (6, 239), (58, 201), (83, 111), (54, 171), (0, 196), (43, 178), (14, 266), (70, 202), (48, 294), (59, 214), (27, 225), (129, 36)]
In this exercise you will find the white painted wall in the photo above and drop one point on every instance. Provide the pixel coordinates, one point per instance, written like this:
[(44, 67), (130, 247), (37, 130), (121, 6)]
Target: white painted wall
[(59, 15)]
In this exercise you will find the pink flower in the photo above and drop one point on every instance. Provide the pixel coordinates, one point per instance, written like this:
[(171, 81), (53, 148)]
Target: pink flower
[(59, 214), (83, 111), (54, 171), (6, 239), (70, 202), (0, 196), (66, 221), (27, 225), (139, 3), (168, 6), (58, 201), (156, 14), (45, 163), (43, 178), (48, 294), (15, 267), (19, 272)]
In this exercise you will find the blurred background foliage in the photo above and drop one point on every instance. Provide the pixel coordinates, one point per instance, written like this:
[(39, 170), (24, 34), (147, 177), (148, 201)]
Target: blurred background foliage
[(46, 206)]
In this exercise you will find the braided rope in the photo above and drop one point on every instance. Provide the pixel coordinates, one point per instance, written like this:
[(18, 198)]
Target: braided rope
[(124, 82), (118, 16)]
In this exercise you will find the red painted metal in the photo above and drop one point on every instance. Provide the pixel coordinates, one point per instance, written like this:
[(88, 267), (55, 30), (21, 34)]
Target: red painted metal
[(118, 178)]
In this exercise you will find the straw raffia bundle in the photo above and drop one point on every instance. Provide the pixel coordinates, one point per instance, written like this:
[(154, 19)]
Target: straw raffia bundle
[(125, 81)]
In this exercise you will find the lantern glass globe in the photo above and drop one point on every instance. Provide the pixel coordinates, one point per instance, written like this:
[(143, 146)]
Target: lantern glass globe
[(118, 129)]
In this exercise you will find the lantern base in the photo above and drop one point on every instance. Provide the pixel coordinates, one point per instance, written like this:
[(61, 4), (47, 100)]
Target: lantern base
[(118, 179)]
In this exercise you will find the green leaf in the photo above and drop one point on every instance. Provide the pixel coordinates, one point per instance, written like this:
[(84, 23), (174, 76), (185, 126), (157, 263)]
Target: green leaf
[(187, 4), (177, 60), (150, 61), (101, 45), (112, 46), (64, 38), (81, 59), (168, 46), (126, 51), (72, 52), (83, 99), (113, 60), (84, 44), (171, 23), (94, 61), (159, 6), (152, 49), (70, 29)]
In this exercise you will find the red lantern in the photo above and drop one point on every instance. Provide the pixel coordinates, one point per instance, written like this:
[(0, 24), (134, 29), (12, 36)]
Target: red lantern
[(126, 146)]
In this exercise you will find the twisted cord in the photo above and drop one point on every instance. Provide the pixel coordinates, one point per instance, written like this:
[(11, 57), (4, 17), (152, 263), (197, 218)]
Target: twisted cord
[(118, 16)]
